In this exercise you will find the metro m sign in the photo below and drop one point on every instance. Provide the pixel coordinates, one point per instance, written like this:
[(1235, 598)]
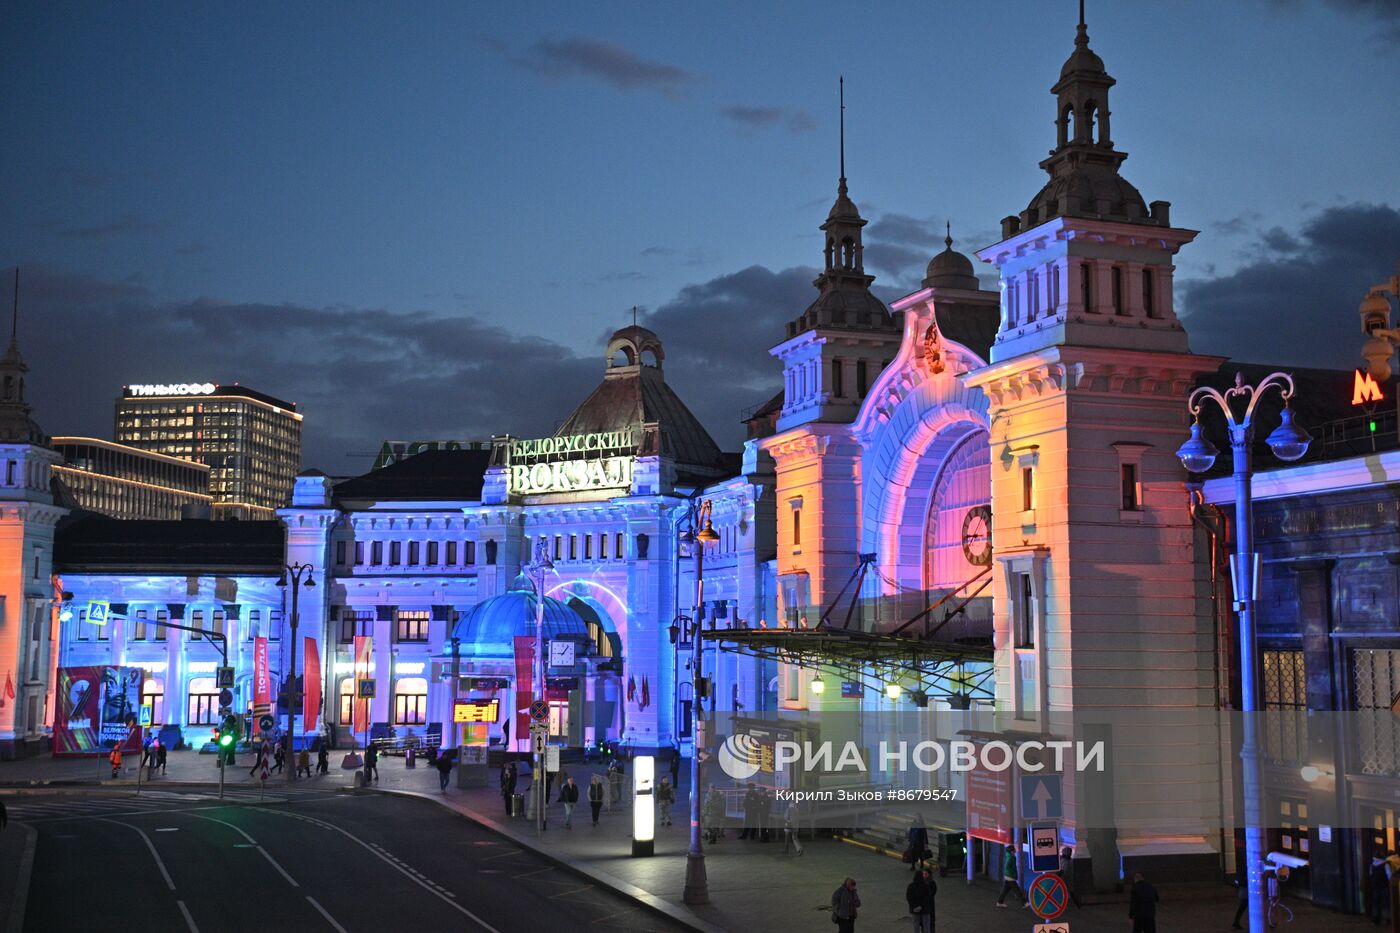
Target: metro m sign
[(1365, 389)]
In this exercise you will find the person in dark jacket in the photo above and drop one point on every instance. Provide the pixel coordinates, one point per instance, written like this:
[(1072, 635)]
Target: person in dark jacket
[(596, 793), (160, 756), (675, 767), (750, 813), (508, 779), (1009, 874), (444, 767), (920, 895), (323, 759), (371, 763), (918, 843), (1142, 905), (1379, 898), (765, 813), (665, 800), (568, 796), (845, 904), (1067, 873)]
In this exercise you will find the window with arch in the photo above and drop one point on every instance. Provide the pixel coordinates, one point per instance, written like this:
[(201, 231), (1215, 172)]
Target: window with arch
[(643, 544), (153, 695), (203, 703), (1067, 124), (1091, 117), (491, 551)]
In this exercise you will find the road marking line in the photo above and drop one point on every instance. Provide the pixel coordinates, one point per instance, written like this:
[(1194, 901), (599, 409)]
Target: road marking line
[(26, 870), (322, 911), (189, 921), (370, 849), (169, 882), (267, 855)]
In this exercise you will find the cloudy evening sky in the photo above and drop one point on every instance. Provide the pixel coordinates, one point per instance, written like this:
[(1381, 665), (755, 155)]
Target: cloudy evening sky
[(421, 221)]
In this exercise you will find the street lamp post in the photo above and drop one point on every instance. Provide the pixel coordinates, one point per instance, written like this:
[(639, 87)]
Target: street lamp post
[(540, 566), (300, 576), (1288, 442), (700, 533)]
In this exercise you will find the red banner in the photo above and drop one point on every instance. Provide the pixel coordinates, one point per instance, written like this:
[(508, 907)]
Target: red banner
[(364, 669), (96, 708), (262, 677), (989, 803), (524, 685), (311, 681)]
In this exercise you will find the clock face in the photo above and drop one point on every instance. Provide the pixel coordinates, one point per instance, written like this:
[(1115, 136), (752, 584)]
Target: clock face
[(561, 654), (977, 536)]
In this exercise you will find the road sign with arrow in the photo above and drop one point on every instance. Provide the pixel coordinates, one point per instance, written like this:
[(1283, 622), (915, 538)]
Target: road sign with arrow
[(1040, 797)]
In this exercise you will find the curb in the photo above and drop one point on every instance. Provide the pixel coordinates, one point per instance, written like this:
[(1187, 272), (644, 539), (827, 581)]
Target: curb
[(625, 889)]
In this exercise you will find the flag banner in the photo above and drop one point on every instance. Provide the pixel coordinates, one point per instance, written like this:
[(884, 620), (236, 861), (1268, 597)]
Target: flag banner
[(524, 684), (311, 682), (364, 669)]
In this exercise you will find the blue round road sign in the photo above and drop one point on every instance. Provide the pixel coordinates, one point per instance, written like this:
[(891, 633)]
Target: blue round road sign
[(265, 723), (539, 710), (1048, 896)]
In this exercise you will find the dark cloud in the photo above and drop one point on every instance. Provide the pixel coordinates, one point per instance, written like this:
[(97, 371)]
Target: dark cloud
[(1295, 302), (605, 61), (124, 225), (759, 117), (359, 375), (717, 334)]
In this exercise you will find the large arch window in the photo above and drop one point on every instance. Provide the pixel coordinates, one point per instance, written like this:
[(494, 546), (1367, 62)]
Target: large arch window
[(203, 703), (153, 695), (410, 701)]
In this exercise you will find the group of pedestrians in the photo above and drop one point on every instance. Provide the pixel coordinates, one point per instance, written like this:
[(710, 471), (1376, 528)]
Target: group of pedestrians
[(758, 813)]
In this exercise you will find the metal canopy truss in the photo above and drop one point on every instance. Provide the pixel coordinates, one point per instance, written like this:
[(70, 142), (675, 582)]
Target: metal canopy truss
[(867, 657)]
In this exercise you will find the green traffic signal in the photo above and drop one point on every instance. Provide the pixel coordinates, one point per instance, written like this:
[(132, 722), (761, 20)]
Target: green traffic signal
[(225, 739)]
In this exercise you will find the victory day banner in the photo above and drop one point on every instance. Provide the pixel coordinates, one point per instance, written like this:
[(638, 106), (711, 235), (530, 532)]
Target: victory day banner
[(96, 709)]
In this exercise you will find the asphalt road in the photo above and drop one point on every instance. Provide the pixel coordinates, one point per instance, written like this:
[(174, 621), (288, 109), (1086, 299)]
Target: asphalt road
[(316, 861)]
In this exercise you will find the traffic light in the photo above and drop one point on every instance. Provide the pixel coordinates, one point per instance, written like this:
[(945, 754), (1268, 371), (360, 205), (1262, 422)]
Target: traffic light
[(226, 739)]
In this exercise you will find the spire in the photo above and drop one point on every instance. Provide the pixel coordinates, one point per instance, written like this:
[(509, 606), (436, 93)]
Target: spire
[(14, 314), (841, 93), (948, 240), (16, 425)]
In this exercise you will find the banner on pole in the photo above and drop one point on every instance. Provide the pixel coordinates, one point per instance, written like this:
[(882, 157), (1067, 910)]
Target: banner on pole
[(311, 680), (364, 668)]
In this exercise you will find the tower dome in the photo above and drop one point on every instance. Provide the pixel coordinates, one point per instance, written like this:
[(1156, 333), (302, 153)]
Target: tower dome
[(490, 627), (950, 268)]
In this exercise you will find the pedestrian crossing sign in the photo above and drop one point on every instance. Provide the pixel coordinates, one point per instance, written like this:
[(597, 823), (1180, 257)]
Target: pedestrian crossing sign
[(145, 719), (98, 611)]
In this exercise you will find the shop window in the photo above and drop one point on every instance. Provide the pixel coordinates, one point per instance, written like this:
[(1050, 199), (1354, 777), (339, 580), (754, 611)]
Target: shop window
[(347, 701), (203, 705), (153, 695), (412, 625), (410, 701)]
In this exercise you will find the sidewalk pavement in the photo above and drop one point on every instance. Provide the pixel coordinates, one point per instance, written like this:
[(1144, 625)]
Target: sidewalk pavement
[(753, 886)]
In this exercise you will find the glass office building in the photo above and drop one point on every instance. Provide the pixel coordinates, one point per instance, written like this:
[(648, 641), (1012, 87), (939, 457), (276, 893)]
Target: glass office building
[(127, 482), (250, 441)]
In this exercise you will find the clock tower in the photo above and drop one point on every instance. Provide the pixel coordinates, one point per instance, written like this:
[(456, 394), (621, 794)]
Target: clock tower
[(1098, 604)]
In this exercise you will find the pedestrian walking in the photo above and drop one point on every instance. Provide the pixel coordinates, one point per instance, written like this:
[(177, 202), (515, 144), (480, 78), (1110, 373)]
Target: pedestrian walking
[(508, 779), (444, 767), (260, 760), (148, 754), (595, 797), (750, 812), (152, 753), (371, 762), (548, 785), (614, 783), (1067, 874), (765, 813), (568, 796), (665, 799), (304, 762), (279, 757), (1142, 905), (675, 766), (918, 849), (4, 817), (1009, 875), (920, 894), (790, 818), (845, 904), (116, 759), (323, 758), (160, 756)]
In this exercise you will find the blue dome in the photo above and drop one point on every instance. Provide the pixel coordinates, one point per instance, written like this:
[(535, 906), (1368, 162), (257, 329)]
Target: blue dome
[(489, 627)]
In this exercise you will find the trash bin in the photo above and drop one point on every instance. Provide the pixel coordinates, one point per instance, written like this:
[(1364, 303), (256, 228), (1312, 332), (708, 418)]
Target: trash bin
[(952, 850), (409, 760), (517, 805)]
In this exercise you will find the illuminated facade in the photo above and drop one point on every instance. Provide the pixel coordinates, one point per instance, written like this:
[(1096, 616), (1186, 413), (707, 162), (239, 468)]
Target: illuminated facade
[(28, 609), (127, 482), (430, 549), (250, 441)]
